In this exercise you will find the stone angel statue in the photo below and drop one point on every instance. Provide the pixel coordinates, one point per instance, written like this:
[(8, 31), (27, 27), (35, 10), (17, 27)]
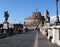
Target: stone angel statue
[(6, 15)]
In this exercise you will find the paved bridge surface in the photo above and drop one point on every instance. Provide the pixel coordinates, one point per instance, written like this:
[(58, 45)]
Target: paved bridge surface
[(29, 39)]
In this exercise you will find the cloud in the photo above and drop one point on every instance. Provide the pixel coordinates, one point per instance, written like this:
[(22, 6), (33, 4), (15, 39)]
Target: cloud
[(53, 19)]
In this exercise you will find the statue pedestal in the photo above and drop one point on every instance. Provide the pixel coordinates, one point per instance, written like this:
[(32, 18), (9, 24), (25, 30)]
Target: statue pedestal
[(5, 27)]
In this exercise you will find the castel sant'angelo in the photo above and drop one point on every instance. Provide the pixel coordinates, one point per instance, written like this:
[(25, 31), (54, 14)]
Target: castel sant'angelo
[(36, 19)]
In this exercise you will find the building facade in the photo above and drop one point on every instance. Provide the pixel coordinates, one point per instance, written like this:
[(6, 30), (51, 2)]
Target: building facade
[(34, 20)]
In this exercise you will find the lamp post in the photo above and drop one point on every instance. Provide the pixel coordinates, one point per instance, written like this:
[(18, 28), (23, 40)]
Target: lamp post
[(57, 17)]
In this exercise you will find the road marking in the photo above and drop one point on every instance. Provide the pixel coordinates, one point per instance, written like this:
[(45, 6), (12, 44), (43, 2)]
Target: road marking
[(36, 41)]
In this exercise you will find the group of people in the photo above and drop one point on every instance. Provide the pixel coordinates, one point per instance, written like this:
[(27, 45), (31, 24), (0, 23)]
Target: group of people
[(11, 31), (26, 29)]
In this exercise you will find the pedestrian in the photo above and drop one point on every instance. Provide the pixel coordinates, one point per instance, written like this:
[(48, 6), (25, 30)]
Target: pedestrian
[(38, 30), (46, 32)]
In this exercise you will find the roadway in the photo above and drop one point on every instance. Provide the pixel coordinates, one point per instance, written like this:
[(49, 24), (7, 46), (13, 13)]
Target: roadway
[(28, 39)]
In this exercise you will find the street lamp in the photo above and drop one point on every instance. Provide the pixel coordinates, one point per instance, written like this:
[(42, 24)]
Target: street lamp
[(57, 11), (57, 16)]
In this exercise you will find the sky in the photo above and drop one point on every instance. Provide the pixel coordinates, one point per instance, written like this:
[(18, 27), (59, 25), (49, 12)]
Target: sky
[(20, 9)]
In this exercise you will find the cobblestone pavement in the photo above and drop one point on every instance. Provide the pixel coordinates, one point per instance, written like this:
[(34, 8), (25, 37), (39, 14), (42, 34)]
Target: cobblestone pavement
[(19, 40), (44, 42), (29, 39)]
